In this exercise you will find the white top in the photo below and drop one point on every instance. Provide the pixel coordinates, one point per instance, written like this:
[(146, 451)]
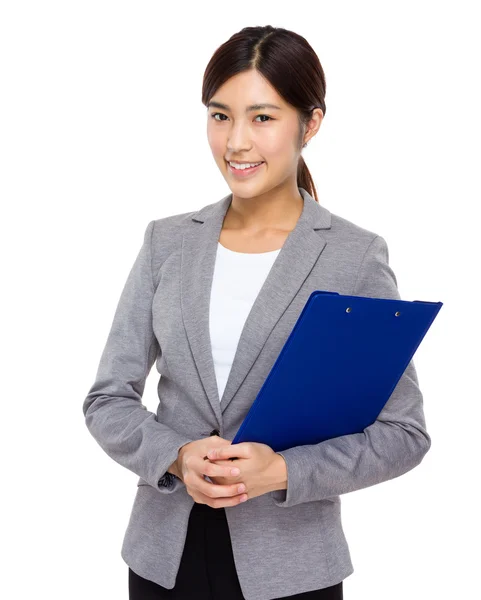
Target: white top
[(238, 278)]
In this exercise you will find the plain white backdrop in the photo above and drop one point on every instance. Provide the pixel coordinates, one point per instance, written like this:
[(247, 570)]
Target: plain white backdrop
[(101, 130)]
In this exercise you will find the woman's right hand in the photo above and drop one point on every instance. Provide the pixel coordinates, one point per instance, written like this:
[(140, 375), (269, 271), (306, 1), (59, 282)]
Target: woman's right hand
[(193, 464)]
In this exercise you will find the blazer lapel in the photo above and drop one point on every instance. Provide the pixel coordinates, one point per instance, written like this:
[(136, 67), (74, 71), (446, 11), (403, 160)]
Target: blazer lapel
[(293, 264)]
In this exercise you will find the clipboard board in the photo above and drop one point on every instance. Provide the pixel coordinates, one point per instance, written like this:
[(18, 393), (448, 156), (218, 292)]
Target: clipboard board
[(337, 369)]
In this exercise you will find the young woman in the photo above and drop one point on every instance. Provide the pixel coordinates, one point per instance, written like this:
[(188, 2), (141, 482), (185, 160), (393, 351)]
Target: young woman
[(211, 299)]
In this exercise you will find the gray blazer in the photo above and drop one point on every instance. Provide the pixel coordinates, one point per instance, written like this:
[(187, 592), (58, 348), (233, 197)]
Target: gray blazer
[(284, 542)]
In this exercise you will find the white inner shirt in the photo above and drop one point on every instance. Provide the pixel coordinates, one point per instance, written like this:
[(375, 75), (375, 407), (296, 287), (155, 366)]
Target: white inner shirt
[(238, 278)]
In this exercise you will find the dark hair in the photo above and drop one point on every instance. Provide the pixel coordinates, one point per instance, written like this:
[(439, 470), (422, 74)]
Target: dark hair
[(287, 61)]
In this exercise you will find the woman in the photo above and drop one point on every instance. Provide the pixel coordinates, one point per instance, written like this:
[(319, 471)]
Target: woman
[(211, 298)]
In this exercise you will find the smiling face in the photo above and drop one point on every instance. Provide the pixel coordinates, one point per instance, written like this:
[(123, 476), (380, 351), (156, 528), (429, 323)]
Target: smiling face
[(240, 131)]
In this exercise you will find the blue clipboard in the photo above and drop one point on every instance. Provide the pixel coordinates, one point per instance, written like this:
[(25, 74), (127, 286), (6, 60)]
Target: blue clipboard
[(337, 369)]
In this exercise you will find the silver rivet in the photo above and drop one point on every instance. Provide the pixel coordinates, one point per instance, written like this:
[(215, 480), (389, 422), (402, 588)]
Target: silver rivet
[(397, 313), (348, 309)]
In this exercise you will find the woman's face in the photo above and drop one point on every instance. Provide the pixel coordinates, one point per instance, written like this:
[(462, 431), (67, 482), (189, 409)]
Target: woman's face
[(266, 134)]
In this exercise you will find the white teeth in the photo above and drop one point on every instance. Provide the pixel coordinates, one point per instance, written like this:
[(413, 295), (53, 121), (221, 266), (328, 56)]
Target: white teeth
[(242, 166)]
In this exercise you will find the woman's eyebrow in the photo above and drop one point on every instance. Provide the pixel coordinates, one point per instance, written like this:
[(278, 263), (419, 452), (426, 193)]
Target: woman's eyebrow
[(248, 109)]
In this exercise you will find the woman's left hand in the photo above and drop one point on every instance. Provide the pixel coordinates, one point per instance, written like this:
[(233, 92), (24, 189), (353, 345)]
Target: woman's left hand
[(255, 462)]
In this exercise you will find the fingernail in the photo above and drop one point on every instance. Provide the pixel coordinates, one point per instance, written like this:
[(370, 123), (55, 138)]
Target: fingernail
[(235, 471), (211, 453), (241, 488)]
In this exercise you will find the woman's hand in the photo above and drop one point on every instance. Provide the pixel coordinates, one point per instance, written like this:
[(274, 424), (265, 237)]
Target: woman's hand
[(192, 464), (255, 461)]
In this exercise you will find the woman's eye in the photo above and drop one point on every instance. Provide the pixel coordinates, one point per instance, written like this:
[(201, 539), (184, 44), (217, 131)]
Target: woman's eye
[(264, 116), (214, 115)]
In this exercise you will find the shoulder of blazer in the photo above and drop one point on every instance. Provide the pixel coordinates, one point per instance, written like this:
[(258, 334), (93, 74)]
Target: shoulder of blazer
[(168, 231), (358, 240), (166, 237), (343, 228)]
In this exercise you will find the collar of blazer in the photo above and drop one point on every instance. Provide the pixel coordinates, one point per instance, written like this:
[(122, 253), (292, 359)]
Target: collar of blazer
[(293, 264)]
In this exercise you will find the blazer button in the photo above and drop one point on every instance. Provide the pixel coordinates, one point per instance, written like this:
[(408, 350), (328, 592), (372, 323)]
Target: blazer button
[(215, 432)]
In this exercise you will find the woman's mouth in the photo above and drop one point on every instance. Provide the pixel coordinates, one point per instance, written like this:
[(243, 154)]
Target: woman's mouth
[(241, 173)]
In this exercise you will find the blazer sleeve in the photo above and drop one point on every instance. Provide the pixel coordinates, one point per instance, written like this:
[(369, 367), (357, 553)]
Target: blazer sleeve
[(394, 444), (113, 409)]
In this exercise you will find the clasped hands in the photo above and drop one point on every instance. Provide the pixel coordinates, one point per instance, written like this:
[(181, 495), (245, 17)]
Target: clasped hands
[(229, 465)]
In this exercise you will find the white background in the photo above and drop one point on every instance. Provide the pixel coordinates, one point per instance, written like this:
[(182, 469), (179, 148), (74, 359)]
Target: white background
[(102, 130)]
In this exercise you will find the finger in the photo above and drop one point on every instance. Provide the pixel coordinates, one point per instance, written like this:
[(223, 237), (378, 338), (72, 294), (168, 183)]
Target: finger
[(208, 469), (219, 502), (212, 469), (213, 490), (223, 480), (240, 450), (215, 442), (219, 468)]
